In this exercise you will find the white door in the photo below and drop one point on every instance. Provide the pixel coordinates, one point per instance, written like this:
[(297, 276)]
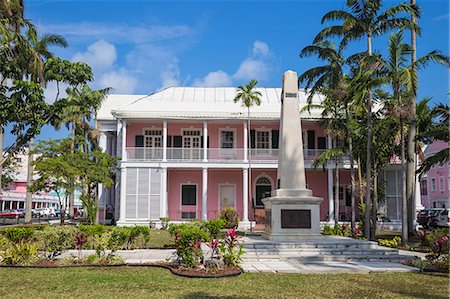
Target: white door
[(227, 195), (191, 145)]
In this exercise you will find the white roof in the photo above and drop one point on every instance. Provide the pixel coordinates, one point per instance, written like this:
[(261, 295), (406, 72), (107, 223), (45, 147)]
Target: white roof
[(198, 102)]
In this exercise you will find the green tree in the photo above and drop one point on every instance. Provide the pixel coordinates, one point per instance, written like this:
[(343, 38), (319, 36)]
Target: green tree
[(248, 96)]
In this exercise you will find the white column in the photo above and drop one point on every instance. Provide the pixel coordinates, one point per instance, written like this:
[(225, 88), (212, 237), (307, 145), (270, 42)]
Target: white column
[(164, 141), (245, 142), (123, 201), (417, 194), (330, 185), (124, 140), (3, 205), (102, 142), (205, 194), (118, 138), (245, 194), (164, 204), (205, 141)]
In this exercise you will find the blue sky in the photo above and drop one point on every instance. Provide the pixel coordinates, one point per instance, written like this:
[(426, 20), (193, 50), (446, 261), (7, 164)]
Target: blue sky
[(142, 46)]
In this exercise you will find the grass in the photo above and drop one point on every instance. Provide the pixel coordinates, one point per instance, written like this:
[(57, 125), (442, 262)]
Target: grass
[(145, 282), (160, 239)]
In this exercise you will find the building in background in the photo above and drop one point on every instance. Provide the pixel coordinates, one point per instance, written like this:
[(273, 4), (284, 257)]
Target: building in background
[(184, 155)]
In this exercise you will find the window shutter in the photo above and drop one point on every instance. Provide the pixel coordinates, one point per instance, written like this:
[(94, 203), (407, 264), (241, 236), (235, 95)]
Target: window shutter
[(169, 141), (252, 139), (207, 142), (139, 141), (275, 138), (321, 142), (177, 141), (311, 139)]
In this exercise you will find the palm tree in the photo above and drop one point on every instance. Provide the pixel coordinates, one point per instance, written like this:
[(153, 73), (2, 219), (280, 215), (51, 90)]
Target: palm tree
[(34, 63), (363, 19), (248, 96), (328, 78)]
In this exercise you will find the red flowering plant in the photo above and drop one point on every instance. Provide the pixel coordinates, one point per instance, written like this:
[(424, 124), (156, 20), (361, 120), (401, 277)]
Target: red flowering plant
[(214, 247), (188, 239), (439, 243), (79, 240), (231, 249)]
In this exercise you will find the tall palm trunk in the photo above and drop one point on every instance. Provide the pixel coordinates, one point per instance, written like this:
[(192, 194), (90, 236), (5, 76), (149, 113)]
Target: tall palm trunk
[(29, 194), (404, 198), (249, 162), (373, 230), (336, 192), (368, 200), (352, 178), (411, 164), (72, 194)]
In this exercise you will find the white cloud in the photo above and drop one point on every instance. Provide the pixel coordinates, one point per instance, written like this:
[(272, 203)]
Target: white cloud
[(257, 66), (100, 55), (121, 81), (170, 75), (260, 48), (217, 78)]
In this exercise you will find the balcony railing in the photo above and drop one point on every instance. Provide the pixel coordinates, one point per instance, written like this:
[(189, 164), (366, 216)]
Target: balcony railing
[(213, 154)]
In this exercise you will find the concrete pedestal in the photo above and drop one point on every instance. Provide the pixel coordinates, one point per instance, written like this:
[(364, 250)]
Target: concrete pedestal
[(291, 214)]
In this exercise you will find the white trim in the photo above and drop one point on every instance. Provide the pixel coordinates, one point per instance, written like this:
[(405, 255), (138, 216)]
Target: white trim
[(441, 186), (220, 195)]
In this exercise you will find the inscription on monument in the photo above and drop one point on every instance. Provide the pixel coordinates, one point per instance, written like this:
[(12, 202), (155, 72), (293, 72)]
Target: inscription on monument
[(268, 219), (295, 218)]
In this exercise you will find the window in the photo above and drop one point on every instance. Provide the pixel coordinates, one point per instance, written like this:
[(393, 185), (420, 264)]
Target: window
[(227, 139), (423, 187), (433, 184), (188, 195), (441, 183), (263, 188), (18, 160), (153, 138), (263, 139)]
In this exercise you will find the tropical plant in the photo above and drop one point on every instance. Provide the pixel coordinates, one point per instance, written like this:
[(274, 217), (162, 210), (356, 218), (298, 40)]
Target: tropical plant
[(21, 253), (248, 96), (364, 19), (231, 249), (230, 217), (53, 240)]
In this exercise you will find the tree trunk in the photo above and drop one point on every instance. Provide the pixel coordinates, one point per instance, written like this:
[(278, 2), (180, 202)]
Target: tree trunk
[(29, 194), (72, 194), (404, 199), (360, 180), (369, 152), (352, 178), (373, 231), (336, 193), (411, 164)]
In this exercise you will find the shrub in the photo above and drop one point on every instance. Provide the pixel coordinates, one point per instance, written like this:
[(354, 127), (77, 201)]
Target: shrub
[(53, 240), (164, 222), (188, 238), (93, 230), (3, 242), (343, 230), (231, 249), (104, 260), (21, 253), (214, 226), (327, 230), (393, 243), (230, 217), (129, 237), (79, 240), (19, 234)]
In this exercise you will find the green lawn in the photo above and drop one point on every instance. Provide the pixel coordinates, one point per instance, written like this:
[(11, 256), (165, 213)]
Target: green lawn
[(145, 282), (160, 239)]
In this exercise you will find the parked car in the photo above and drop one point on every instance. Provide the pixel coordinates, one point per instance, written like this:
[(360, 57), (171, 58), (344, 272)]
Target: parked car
[(44, 212), (434, 217), (423, 217), (22, 213), (444, 219), (11, 214)]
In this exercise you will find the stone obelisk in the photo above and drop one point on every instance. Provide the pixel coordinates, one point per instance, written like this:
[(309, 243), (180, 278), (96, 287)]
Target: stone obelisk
[(292, 211)]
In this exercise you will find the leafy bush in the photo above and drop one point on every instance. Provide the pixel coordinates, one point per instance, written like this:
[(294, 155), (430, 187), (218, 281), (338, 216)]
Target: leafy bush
[(79, 240), (21, 253), (214, 226), (392, 243), (108, 259), (343, 230), (53, 240), (19, 234), (231, 249), (230, 217), (129, 237), (3, 242), (93, 230), (164, 222), (188, 238)]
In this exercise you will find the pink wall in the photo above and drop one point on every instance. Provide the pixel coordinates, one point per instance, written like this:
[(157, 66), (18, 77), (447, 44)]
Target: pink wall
[(176, 177), (441, 193)]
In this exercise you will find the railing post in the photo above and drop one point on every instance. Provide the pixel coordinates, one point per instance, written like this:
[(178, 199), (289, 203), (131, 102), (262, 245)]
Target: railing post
[(164, 158), (205, 141)]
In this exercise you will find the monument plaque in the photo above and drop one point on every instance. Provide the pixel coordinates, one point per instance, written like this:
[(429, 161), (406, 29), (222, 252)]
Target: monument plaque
[(295, 218)]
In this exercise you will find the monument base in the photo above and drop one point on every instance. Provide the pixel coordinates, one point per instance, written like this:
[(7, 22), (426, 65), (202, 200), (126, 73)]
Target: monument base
[(291, 214)]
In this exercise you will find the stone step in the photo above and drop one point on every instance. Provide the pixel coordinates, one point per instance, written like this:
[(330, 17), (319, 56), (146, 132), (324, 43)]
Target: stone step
[(370, 245), (329, 258), (321, 250), (306, 254)]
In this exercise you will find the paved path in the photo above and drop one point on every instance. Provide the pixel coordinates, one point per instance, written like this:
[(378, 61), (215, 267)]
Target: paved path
[(294, 266), (268, 266)]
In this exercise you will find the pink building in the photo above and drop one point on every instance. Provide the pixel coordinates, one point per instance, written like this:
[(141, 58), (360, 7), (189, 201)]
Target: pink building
[(435, 185), (184, 154)]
